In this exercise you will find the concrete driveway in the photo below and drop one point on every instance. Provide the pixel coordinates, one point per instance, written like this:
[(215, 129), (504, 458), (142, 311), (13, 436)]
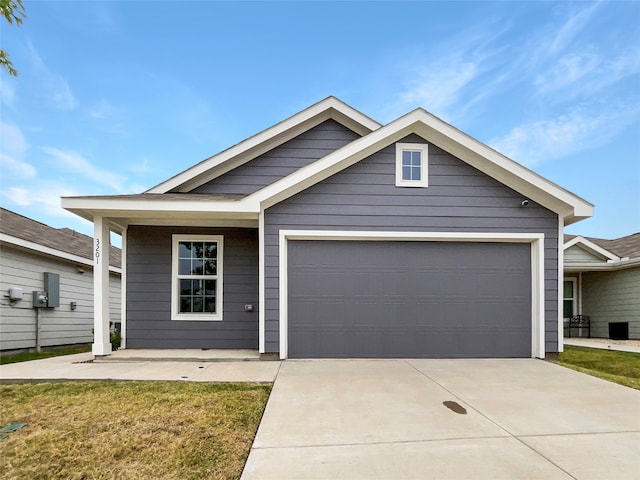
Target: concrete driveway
[(385, 419)]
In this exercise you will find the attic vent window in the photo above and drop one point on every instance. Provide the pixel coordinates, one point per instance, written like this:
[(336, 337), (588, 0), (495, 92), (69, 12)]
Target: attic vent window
[(411, 165)]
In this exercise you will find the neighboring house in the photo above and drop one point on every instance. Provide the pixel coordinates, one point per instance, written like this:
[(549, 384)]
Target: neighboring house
[(602, 281), (34, 255), (330, 235)]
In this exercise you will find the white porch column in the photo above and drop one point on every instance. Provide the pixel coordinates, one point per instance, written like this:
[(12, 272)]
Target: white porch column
[(101, 247)]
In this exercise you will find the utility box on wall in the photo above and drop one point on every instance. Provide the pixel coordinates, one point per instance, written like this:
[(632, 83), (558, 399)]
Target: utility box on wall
[(39, 299), (52, 289)]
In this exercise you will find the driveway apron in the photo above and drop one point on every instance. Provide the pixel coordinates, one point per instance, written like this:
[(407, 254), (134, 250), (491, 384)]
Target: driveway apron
[(445, 419)]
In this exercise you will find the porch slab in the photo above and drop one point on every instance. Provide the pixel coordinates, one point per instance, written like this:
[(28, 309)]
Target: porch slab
[(81, 367), (180, 355)]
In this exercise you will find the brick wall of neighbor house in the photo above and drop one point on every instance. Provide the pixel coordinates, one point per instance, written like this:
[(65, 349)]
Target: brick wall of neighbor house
[(576, 254), (364, 197), (61, 325), (612, 297), (281, 161), (149, 323)]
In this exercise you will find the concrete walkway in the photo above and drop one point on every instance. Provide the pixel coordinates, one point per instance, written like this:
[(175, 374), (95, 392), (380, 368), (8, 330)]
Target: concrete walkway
[(383, 419), (387, 419), (605, 344), (81, 367)]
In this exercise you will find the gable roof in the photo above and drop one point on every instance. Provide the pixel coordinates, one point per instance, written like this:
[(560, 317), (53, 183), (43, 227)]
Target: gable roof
[(570, 207), (212, 167), (60, 242), (618, 248)]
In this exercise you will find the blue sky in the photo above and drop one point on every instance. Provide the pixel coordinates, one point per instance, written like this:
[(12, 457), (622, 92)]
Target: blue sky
[(116, 97)]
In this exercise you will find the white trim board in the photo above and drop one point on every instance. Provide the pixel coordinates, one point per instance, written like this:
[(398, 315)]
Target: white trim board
[(529, 184), (266, 140), (560, 286), (445, 136), (176, 238), (537, 268), (261, 285), (591, 247), (601, 267), (123, 292)]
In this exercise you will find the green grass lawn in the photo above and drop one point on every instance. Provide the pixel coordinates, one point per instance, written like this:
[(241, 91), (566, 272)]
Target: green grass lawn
[(46, 353), (618, 367), (133, 430)]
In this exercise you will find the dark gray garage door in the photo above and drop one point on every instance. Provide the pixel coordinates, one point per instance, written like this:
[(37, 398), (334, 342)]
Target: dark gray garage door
[(409, 299)]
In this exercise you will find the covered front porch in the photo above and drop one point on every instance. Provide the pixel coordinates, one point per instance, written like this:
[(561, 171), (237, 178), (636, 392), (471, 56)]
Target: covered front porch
[(201, 302)]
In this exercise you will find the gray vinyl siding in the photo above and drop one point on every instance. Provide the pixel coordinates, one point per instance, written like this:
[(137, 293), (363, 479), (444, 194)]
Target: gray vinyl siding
[(149, 323), (60, 325), (282, 160), (364, 197), (576, 254), (612, 297)]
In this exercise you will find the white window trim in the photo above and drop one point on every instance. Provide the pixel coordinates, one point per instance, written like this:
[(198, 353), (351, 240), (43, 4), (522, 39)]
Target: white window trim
[(574, 297), (537, 268), (175, 315), (424, 164)]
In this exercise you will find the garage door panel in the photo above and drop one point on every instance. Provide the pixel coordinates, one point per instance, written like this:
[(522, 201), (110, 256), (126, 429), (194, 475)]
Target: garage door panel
[(409, 299)]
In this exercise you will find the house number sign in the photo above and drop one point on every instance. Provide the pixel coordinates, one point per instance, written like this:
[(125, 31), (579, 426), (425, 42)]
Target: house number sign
[(97, 251)]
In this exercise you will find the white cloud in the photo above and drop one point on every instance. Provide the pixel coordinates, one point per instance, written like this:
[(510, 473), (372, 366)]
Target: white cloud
[(571, 28), (12, 140), (78, 165), (565, 135), (7, 93), (13, 147), (568, 71), (439, 87), (54, 86), (43, 195), (101, 110), (140, 168), (454, 75), (587, 73), (16, 168)]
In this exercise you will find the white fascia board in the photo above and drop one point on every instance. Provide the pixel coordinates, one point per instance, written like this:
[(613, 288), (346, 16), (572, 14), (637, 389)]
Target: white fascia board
[(26, 244), (503, 169), (450, 139), (591, 247), (335, 161), (266, 140), (601, 267), (125, 211), (163, 205)]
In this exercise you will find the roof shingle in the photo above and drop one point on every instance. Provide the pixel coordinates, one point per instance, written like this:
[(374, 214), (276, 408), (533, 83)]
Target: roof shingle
[(628, 246), (62, 239)]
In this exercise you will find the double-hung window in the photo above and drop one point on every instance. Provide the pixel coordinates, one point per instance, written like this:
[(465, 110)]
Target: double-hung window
[(411, 165), (196, 291)]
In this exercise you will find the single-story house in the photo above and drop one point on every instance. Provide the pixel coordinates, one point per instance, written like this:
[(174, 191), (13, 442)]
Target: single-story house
[(58, 263), (331, 235), (602, 281)]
